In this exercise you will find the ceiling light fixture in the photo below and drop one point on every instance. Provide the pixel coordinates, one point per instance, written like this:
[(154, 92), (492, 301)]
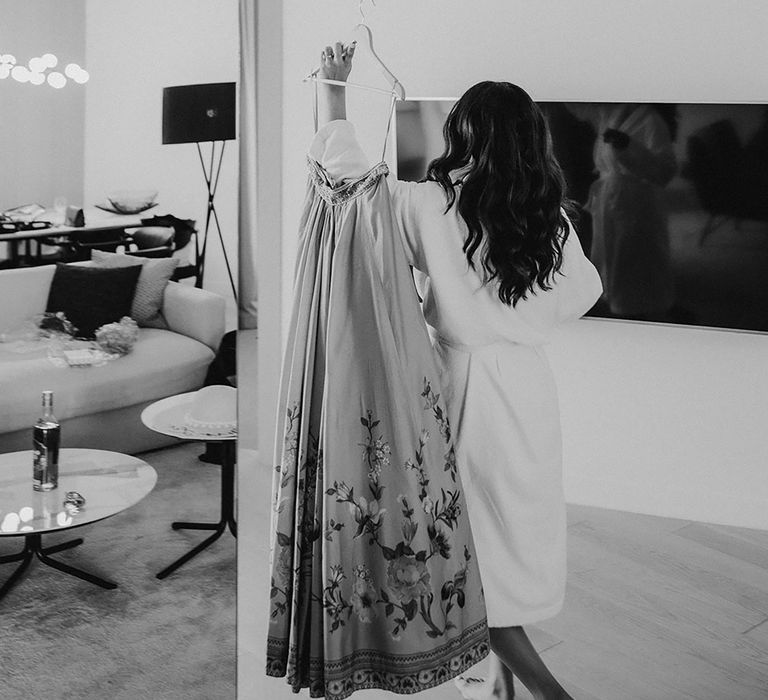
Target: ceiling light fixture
[(34, 72)]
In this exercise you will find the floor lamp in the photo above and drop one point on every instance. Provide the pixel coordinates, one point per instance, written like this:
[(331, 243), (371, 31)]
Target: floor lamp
[(199, 114)]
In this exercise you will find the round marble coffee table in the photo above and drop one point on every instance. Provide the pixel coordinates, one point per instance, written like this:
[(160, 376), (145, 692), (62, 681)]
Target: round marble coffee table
[(166, 416), (110, 482)]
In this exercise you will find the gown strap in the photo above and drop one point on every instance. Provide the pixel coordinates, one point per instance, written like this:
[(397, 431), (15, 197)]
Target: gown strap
[(393, 102)]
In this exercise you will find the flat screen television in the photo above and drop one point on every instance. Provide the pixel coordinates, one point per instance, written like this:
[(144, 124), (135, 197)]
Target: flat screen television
[(671, 202)]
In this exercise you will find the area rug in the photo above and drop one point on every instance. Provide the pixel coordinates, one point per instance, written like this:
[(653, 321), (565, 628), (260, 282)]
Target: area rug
[(62, 638)]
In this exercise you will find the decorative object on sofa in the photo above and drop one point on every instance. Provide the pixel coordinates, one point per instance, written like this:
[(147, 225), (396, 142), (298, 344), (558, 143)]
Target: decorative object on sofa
[(170, 417), (65, 352), (46, 438), (34, 72), (54, 324), (79, 353), (32, 333), (196, 114), (54, 333), (92, 296), (150, 287), (129, 201), (119, 337)]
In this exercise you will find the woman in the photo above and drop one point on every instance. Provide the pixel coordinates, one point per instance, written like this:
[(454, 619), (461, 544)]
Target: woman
[(499, 269)]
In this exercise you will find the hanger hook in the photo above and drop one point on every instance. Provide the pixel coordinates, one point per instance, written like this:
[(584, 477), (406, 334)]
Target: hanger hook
[(360, 9)]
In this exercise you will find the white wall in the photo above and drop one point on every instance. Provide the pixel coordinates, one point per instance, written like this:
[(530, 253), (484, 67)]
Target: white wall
[(135, 49), (657, 419), (41, 128), (665, 420)]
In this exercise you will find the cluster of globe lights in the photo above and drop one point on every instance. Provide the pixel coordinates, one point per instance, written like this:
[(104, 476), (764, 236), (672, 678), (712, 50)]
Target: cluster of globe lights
[(35, 71)]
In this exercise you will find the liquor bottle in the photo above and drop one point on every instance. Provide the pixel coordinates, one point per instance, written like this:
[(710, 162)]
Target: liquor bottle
[(46, 437)]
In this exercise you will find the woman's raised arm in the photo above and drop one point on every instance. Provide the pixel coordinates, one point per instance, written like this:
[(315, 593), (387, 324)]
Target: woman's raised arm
[(335, 64)]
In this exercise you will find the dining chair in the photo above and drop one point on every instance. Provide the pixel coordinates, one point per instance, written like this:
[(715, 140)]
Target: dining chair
[(81, 243), (151, 241)]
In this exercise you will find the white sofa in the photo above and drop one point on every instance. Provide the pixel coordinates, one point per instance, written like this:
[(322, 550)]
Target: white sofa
[(100, 407)]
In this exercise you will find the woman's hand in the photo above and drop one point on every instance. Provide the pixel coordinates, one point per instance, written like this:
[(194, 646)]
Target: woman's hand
[(336, 62)]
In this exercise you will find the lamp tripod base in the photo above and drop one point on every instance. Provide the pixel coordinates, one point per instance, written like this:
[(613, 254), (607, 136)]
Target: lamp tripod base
[(211, 182)]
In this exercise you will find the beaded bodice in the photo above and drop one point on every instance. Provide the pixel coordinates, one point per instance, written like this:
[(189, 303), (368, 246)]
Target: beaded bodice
[(337, 195)]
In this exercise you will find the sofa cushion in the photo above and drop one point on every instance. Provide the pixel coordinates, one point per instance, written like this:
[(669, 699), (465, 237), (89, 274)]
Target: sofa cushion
[(23, 295), (161, 364), (148, 297), (92, 296)]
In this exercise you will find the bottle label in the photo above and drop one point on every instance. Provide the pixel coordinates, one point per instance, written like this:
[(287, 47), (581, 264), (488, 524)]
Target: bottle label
[(45, 472)]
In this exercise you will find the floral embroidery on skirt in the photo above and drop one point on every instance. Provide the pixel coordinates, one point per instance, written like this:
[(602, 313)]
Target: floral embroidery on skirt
[(375, 581)]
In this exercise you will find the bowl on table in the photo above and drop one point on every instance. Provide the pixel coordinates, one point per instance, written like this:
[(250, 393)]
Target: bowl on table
[(129, 201)]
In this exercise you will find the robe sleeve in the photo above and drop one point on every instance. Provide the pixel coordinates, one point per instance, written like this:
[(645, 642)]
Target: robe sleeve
[(578, 283), (336, 148)]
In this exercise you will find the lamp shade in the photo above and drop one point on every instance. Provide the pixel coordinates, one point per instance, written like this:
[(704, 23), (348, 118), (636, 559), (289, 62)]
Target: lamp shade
[(193, 113)]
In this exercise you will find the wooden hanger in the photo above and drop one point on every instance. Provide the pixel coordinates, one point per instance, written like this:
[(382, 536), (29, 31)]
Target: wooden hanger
[(396, 90)]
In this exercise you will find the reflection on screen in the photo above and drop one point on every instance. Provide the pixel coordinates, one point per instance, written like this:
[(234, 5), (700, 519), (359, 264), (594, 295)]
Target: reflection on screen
[(672, 202)]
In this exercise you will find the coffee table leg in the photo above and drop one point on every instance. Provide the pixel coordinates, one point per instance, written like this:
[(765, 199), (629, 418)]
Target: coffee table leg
[(72, 571), (226, 519), (8, 558), (61, 547), (33, 548)]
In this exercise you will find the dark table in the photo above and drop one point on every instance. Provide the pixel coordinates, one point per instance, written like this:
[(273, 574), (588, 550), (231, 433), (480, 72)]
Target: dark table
[(61, 232)]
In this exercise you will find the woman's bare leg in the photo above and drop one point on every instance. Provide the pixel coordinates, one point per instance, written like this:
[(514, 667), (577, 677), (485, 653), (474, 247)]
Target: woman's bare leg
[(512, 646), (503, 679)]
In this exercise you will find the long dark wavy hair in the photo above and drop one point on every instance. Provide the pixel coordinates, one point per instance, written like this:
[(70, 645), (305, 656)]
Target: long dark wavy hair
[(512, 187)]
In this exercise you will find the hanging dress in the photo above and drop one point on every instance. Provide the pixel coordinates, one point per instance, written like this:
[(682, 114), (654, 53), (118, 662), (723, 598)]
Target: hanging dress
[(375, 580)]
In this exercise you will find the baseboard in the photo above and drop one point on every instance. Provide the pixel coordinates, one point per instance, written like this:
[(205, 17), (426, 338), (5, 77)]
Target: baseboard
[(689, 502)]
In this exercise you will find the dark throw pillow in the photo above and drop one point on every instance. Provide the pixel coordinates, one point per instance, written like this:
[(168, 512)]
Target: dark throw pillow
[(150, 289), (90, 296)]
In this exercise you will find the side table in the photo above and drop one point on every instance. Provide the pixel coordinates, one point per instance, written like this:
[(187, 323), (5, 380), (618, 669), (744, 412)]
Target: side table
[(167, 417)]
